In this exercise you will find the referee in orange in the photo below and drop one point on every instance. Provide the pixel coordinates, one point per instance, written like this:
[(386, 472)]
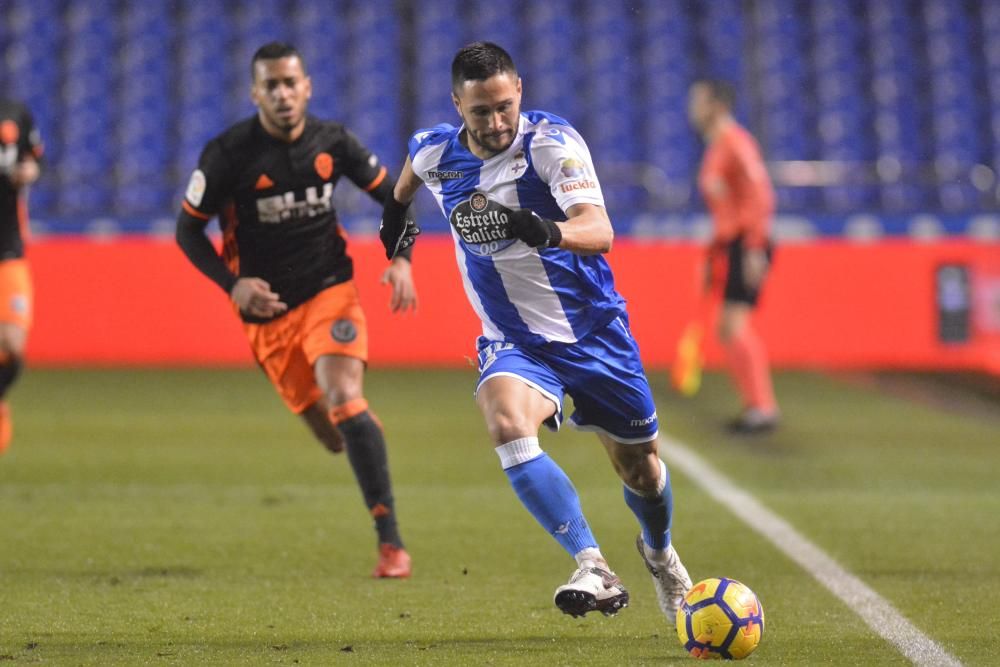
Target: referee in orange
[(20, 154), (284, 265), (740, 199)]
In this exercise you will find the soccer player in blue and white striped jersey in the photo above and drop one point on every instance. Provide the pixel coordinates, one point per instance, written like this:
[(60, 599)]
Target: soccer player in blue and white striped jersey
[(530, 229)]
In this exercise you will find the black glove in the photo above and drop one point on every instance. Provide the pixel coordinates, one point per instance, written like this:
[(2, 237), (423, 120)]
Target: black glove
[(398, 230), (533, 229)]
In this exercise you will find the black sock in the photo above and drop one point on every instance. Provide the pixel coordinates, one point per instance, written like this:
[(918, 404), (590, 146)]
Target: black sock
[(9, 370), (366, 452)]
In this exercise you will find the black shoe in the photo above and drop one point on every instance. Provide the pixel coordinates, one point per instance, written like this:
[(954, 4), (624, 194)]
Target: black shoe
[(753, 422)]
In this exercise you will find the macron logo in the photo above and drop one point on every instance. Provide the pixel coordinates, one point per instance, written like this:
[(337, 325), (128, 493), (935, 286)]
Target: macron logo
[(643, 422), (449, 175)]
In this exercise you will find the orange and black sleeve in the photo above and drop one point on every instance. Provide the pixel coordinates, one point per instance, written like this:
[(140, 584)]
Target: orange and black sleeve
[(207, 188)]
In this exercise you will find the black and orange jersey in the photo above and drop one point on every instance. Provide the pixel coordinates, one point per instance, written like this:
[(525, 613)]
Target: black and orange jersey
[(19, 141), (274, 200)]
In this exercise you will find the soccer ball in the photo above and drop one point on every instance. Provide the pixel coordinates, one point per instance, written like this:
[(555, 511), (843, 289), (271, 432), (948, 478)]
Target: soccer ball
[(720, 618)]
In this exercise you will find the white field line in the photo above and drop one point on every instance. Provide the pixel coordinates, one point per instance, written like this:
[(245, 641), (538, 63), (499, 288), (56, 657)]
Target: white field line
[(873, 609)]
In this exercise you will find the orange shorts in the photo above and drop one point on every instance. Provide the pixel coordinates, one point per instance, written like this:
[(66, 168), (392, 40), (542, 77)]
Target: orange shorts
[(16, 293), (331, 322)]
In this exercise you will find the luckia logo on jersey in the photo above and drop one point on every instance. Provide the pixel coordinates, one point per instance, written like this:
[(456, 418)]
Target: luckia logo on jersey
[(571, 168), (482, 224), (284, 207)]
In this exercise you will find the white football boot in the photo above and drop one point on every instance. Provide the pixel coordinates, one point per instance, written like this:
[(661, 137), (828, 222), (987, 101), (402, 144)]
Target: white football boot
[(670, 577), (593, 587)]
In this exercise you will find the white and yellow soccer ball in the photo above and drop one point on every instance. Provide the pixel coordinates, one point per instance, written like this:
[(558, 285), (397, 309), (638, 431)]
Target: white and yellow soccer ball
[(720, 618)]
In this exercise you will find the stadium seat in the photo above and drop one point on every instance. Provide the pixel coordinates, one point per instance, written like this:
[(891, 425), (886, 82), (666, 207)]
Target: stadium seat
[(127, 89)]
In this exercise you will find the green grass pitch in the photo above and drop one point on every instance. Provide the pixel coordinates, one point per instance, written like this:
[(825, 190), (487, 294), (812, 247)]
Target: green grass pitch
[(183, 517)]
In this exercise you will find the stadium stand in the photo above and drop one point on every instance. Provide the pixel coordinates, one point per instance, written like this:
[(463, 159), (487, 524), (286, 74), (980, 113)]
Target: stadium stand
[(883, 107)]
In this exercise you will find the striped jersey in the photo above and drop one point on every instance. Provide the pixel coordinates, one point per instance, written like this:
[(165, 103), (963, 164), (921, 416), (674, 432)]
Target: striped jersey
[(521, 294)]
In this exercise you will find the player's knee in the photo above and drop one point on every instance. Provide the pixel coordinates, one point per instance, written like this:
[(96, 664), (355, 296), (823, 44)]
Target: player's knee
[(11, 355), (11, 343), (343, 393), (642, 475), (725, 331), (505, 426), (339, 413)]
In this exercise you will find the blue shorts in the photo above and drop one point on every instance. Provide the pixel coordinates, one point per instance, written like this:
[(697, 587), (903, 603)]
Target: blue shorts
[(602, 372)]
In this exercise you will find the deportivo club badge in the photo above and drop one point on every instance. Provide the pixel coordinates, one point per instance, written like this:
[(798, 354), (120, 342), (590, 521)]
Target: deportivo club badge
[(478, 202), (343, 331)]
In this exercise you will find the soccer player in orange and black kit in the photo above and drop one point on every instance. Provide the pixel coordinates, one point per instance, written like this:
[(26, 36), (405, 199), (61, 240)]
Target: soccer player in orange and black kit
[(20, 153), (738, 192), (270, 179)]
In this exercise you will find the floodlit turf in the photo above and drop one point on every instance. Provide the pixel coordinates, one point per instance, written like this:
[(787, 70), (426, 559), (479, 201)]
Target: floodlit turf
[(182, 517)]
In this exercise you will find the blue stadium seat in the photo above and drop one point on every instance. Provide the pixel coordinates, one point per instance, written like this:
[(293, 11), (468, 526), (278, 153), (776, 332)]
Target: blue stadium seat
[(490, 21), (902, 197), (372, 92), (128, 92), (722, 34), (142, 143), (668, 33), (611, 128), (549, 38), (438, 35), (320, 34)]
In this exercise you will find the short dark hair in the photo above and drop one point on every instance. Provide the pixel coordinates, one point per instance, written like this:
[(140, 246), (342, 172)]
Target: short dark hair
[(720, 90), (479, 61), (273, 51)]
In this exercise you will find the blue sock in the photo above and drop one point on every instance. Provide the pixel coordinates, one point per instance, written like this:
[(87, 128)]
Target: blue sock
[(546, 492), (653, 512)]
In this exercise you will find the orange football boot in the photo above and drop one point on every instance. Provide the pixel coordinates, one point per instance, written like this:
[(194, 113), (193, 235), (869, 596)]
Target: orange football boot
[(393, 562), (6, 426)]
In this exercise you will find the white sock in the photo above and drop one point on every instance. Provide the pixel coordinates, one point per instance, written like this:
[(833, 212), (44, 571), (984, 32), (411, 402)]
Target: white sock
[(591, 554), (518, 451)]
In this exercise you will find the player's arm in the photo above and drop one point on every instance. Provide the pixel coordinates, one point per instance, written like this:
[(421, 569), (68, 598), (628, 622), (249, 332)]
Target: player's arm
[(193, 239), (407, 185), (755, 212), (562, 160), (25, 172), (365, 171), (28, 167), (208, 188), (383, 194), (368, 173), (586, 231), (398, 229), (251, 295), (400, 273)]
